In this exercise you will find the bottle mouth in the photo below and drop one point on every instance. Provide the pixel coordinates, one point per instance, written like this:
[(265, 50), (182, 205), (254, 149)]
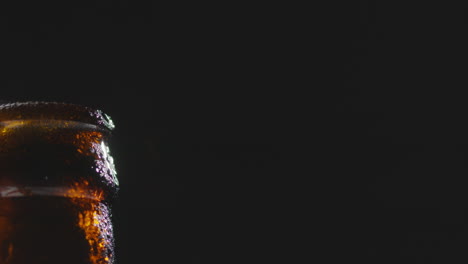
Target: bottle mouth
[(54, 144), (65, 112)]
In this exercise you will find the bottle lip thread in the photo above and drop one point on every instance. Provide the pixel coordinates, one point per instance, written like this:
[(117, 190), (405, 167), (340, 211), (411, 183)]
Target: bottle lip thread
[(40, 110)]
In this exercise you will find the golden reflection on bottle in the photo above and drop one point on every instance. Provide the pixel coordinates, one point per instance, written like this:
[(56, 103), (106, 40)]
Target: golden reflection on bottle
[(94, 221)]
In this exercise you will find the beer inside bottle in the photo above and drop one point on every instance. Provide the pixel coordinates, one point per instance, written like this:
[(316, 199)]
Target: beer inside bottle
[(57, 182)]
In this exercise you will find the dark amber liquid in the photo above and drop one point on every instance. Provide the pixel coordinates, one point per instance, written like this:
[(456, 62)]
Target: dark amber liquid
[(55, 230)]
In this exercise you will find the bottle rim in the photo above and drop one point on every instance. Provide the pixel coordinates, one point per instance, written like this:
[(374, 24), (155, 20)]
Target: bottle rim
[(41, 110)]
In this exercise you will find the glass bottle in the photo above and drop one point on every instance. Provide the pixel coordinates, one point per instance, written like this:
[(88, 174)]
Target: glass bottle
[(57, 184)]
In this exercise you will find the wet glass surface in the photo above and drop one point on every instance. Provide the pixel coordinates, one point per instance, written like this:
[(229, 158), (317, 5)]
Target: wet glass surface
[(57, 180)]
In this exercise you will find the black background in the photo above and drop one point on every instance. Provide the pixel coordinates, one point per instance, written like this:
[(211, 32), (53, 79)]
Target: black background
[(399, 133), (199, 95)]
